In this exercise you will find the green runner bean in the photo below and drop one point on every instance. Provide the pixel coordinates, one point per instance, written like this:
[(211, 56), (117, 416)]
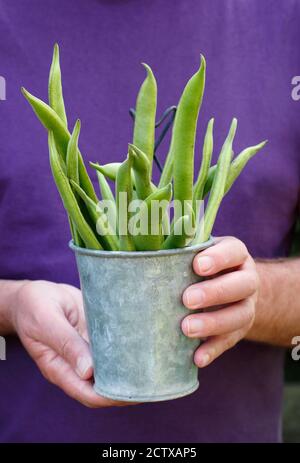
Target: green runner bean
[(52, 122), (144, 123), (69, 199), (205, 165), (123, 198), (56, 99), (219, 183), (184, 133), (102, 225)]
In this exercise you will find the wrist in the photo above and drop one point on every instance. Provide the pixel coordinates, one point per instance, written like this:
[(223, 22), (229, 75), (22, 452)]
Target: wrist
[(264, 297), (9, 303), (278, 291)]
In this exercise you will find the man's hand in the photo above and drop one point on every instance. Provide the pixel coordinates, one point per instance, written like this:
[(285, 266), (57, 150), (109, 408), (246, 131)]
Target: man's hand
[(49, 320), (228, 298)]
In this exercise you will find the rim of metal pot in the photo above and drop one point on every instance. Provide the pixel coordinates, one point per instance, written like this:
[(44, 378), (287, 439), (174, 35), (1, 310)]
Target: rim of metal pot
[(159, 253)]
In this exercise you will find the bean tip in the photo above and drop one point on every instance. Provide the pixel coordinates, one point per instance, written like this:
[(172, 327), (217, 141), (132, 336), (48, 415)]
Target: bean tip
[(131, 150), (25, 93), (202, 61), (55, 59), (262, 144), (130, 155), (148, 70), (95, 165), (234, 124), (170, 187)]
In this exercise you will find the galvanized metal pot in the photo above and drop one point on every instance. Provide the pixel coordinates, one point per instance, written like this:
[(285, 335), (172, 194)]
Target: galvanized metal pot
[(133, 310)]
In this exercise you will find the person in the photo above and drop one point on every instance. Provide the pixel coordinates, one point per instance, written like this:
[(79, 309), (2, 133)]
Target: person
[(251, 294)]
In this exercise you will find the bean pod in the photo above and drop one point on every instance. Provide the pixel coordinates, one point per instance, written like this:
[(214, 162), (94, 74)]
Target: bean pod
[(69, 199)]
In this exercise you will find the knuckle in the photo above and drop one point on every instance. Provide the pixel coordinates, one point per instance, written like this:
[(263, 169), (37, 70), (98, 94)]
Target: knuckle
[(243, 250), (219, 292), (248, 314), (241, 247), (251, 313), (230, 342), (66, 347), (252, 281), (47, 373), (212, 324), (233, 240)]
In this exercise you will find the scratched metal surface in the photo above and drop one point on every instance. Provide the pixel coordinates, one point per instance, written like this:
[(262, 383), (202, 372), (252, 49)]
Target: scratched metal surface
[(133, 309)]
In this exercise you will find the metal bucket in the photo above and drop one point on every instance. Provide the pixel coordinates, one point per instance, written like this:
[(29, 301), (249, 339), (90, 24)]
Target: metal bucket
[(133, 310)]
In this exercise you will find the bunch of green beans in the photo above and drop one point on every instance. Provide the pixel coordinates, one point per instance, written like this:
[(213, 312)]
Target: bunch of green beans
[(92, 226)]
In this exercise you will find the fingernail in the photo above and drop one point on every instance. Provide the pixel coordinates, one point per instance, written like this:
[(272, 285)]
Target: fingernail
[(204, 360), (205, 263), (194, 297), (83, 365), (195, 325)]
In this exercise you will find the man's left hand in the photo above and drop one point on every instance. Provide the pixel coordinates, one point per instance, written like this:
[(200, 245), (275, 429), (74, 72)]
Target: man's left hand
[(228, 298)]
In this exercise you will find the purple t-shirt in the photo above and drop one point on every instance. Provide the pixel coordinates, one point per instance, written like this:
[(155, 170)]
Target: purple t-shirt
[(252, 54)]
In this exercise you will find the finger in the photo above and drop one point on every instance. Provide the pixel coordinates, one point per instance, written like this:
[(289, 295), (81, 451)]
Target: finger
[(76, 295), (67, 343), (217, 345), (228, 252), (72, 290), (223, 321), (224, 289), (59, 372)]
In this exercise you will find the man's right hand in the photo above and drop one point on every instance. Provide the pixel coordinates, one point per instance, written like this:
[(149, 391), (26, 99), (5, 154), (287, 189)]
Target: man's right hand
[(49, 320)]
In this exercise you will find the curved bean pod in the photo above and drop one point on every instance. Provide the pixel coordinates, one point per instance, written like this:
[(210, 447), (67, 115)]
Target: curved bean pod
[(219, 183), (69, 199), (184, 133), (123, 198), (205, 165), (107, 195), (106, 233), (74, 232), (141, 170), (72, 154), (167, 173), (236, 167), (209, 180), (104, 187), (240, 162), (52, 122), (183, 237), (110, 171), (145, 113), (56, 99), (152, 242), (72, 172)]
